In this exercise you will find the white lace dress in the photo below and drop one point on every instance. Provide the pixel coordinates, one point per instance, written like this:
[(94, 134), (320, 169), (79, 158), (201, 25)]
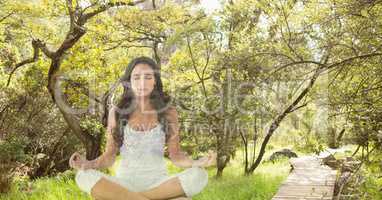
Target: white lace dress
[(143, 166)]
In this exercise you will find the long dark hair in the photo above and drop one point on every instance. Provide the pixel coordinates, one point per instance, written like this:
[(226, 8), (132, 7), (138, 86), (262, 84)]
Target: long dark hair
[(158, 98)]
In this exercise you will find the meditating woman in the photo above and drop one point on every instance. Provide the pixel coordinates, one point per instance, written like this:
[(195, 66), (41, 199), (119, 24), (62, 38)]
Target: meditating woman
[(138, 127)]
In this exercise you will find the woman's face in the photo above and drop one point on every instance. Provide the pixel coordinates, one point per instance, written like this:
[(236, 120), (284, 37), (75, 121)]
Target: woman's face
[(142, 80)]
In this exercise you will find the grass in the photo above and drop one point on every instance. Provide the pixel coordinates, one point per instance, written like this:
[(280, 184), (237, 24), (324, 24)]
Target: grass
[(261, 185)]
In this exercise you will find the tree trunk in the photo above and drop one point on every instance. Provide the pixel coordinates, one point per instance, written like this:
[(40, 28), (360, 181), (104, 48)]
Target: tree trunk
[(92, 144), (276, 123)]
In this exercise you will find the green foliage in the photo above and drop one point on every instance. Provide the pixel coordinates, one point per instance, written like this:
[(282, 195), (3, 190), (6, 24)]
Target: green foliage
[(93, 126), (11, 155), (367, 182), (309, 143), (11, 150), (274, 45)]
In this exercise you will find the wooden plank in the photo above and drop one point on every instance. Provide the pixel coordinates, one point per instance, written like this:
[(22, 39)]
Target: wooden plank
[(294, 198), (309, 180), (305, 190)]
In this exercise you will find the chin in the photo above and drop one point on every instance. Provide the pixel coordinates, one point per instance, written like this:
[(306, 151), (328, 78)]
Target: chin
[(143, 95)]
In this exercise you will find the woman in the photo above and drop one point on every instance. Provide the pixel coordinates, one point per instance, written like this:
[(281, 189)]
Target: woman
[(139, 127)]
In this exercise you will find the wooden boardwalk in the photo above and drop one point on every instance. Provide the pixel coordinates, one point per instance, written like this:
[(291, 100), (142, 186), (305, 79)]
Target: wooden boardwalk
[(308, 180)]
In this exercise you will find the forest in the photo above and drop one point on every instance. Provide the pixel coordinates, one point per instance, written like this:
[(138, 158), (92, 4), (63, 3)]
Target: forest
[(258, 81)]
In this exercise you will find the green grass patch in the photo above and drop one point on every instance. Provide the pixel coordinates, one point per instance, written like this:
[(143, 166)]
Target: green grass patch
[(261, 185)]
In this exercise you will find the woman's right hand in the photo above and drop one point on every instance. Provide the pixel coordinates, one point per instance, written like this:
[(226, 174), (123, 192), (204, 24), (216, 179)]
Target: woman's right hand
[(206, 161), (77, 161)]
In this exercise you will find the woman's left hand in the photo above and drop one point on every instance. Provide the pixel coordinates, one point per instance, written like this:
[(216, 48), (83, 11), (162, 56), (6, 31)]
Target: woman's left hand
[(78, 161), (206, 161)]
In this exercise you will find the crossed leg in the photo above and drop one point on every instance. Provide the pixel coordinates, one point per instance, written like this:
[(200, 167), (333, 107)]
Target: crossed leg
[(170, 189), (108, 190), (167, 190)]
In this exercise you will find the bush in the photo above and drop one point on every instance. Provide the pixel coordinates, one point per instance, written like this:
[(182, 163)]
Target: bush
[(309, 143), (11, 155)]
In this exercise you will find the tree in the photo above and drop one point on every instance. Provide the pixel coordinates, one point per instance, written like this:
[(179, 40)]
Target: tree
[(78, 16)]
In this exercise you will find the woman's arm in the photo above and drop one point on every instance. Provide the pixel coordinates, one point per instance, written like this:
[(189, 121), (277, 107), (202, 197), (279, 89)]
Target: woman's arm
[(176, 155), (107, 159)]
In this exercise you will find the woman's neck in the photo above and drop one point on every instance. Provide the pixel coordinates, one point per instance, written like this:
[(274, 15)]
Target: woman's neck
[(143, 104)]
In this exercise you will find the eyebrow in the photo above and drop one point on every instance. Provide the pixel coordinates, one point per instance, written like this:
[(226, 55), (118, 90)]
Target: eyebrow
[(144, 74)]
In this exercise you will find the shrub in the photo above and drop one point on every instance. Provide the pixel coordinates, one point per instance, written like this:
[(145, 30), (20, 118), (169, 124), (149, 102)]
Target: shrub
[(11, 155)]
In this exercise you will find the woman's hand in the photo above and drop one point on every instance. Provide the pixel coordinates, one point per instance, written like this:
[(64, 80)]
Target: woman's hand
[(206, 161), (77, 161)]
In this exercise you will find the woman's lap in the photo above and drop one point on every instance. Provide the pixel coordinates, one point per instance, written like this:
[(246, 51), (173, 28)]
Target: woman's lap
[(193, 180)]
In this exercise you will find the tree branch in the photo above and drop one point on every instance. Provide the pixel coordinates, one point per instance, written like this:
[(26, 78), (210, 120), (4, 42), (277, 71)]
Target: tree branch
[(298, 107), (347, 60), (69, 5), (37, 45), (103, 8), (194, 65), (6, 16)]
